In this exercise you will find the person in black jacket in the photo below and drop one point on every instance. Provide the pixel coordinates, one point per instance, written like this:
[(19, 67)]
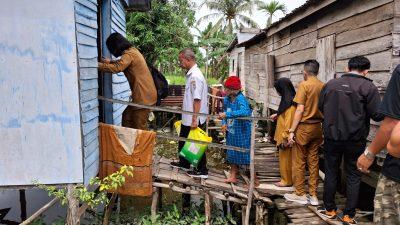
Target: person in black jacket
[(348, 104)]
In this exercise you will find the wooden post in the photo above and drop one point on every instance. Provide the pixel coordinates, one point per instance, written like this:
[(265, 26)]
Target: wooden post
[(39, 212), (260, 213), (22, 202), (73, 217), (118, 210), (252, 174), (207, 205), (326, 56), (107, 212), (243, 214), (154, 202)]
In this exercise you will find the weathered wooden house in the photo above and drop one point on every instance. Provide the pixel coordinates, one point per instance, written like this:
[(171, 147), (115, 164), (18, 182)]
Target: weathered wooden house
[(330, 31), (49, 85)]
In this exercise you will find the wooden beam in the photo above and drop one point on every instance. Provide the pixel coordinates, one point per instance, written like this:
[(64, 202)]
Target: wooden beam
[(73, 217), (326, 56), (154, 202), (396, 29), (260, 213), (39, 212), (252, 173), (207, 208), (107, 212)]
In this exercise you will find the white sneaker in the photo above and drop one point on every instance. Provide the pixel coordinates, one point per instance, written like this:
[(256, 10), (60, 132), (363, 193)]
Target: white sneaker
[(313, 200), (296, 198)]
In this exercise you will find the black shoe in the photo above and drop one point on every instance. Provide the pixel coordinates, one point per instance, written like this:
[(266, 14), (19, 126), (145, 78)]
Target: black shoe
[(197, 174), (179, 166)]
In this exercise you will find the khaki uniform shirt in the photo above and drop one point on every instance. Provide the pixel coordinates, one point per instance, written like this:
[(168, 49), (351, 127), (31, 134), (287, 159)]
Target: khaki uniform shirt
[(283, 125), (134, 66), (308, 94)]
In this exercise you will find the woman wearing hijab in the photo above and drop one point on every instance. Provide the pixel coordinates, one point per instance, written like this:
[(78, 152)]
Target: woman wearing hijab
[(285, 114), (141, 83)]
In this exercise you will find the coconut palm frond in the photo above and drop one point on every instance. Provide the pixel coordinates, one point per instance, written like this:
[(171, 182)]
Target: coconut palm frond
[(271, 9), (248, 21), (208, 17), (217, 26)]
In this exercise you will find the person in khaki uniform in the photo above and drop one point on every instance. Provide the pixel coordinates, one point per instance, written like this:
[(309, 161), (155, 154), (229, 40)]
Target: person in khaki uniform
[(305, 135), (141, 83)]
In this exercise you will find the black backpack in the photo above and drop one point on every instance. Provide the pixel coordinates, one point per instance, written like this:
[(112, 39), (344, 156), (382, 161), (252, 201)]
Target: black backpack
[(161, 84)]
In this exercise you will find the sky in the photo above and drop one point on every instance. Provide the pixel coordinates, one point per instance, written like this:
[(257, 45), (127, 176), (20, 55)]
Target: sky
[(258, 16)]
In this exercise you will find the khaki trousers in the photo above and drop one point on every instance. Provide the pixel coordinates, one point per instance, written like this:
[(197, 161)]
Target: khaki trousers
[(285, 166), (135, 118), (308, 139)]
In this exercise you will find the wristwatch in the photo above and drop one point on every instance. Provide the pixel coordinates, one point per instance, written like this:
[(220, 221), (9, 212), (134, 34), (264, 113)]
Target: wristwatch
[(369, 154)]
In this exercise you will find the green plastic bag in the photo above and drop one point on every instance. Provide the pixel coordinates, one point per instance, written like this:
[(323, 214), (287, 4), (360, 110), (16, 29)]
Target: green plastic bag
[(193, 152)]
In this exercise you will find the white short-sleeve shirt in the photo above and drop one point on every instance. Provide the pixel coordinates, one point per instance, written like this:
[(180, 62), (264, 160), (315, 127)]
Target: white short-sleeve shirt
[(195, 88)]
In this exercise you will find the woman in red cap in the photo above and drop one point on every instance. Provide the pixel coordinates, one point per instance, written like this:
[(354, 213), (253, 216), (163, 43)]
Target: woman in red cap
[(238, 132)]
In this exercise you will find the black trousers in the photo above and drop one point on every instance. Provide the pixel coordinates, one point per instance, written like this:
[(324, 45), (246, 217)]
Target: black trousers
[(333, 153), (202, 166)]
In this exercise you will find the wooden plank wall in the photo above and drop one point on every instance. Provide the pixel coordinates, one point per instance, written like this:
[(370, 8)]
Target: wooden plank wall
[(120, 85), (86, 26), (86, 34), (358, 27)]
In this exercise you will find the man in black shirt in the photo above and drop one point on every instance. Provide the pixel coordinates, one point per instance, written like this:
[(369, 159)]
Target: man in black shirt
[(348, 104), (387, 196)]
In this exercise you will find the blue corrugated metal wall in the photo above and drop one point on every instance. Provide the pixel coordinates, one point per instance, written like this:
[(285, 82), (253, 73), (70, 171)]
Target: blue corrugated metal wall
[(86, 24), (120, 86), (86, 33)]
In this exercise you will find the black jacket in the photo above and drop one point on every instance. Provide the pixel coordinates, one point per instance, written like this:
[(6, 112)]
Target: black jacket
[(348, 103)]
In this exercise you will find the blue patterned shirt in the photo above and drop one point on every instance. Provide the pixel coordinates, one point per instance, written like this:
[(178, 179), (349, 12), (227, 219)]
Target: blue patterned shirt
[(239, 131)]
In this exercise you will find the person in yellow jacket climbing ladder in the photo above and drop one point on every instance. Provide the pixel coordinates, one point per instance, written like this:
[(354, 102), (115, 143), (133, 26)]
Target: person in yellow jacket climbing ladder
[(285, 114), (141, 83)]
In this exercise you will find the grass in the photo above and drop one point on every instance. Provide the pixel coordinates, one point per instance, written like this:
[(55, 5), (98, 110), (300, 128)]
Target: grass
[(180, 80)]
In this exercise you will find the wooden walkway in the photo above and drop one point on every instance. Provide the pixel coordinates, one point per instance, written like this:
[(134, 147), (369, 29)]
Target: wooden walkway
[(267, 169)]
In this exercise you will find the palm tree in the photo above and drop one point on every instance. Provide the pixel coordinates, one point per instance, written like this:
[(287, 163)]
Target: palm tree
[(271, 9), (229, 14)]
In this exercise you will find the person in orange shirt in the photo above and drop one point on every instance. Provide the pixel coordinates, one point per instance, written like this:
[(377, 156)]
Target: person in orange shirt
[(305, 134), (284, 117)]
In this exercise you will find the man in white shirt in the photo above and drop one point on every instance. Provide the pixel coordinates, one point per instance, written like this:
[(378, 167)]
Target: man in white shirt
[(195, 100)]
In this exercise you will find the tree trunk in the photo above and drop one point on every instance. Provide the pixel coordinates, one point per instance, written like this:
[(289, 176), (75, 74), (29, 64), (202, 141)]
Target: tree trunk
[(73, 207)]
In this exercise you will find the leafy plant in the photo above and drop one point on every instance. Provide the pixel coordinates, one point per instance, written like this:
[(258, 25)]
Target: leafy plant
[(230, 14), (40, 221), (194, 216), (163, 32), (91, 199), (271, 9)]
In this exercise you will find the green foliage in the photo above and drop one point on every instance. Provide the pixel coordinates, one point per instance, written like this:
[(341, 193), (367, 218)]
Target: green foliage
[(174, 216), (92, 198), (271, 9), (230, 14), (180, 80), (40, 221), (163, 32), (215, 43)]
